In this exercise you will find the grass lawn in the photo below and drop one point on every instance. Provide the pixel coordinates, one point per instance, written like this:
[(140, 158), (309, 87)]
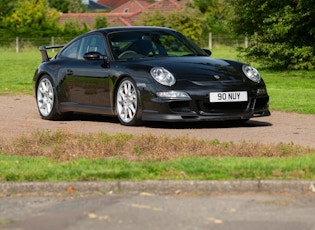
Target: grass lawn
[(55, 156), (17, 168), (17, 70)]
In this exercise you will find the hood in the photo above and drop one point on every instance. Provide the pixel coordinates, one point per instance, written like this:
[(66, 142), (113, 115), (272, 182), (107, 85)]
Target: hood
[(199, 70)]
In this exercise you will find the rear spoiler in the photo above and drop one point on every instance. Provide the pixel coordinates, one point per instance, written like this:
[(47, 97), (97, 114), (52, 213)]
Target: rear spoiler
[(43, 50)]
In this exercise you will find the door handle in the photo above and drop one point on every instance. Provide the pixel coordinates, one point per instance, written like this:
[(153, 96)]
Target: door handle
[(69, 72)]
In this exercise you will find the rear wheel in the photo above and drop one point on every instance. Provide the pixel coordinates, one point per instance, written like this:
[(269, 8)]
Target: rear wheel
[(46, 99), (128, 103)]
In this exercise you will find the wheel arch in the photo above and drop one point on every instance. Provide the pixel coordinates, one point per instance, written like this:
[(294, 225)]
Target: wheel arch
[(137, 118), (116, 85), (39, 77), (56, 99)]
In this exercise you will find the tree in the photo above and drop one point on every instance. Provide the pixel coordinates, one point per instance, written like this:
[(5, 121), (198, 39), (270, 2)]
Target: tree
[(216, 13), (285, 28), (100, 22), (72, 28), (32, 17), (60, 5), (76, 6), (6, 8), (190, 22), (68, 6)]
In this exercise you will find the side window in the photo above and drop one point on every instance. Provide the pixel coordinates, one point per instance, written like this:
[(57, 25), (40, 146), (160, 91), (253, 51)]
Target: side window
[(93, 43), (72, 50)]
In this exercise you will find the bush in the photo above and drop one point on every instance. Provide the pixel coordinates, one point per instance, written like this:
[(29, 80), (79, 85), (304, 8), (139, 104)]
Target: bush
[(281, 56), (286, 31), (189, 22), (72, 28), (100, 22)]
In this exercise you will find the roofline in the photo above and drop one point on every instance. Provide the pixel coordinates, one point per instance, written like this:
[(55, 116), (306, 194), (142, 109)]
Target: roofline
[(130, 28)]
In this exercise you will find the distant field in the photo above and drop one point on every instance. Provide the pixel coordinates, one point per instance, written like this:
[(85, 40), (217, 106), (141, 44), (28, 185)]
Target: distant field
[(292, 91)]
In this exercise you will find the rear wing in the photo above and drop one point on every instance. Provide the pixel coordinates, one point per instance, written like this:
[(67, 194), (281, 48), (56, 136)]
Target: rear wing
[(43, 50)]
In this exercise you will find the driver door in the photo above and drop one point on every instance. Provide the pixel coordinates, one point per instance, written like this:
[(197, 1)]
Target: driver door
[(87, 81)]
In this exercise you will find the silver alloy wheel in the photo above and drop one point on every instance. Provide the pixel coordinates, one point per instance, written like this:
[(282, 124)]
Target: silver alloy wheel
[(45, 97), (126, 101)]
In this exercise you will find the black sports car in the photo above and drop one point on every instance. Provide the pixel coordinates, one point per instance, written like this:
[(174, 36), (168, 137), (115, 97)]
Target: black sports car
[(146, 74)]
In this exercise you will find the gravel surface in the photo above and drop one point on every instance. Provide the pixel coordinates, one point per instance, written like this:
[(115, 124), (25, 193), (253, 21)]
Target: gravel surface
[(19, 115)]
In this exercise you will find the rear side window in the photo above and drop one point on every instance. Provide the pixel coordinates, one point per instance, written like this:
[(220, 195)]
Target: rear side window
[(91, 43), (72, 50)]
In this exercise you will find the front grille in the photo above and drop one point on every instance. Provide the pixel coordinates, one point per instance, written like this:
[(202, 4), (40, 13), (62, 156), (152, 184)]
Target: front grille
[(205, 107), (179, 106), (223, 107)]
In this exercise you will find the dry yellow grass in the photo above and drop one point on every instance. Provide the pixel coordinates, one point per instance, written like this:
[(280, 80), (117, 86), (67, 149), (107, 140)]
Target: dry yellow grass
[(66, 146)]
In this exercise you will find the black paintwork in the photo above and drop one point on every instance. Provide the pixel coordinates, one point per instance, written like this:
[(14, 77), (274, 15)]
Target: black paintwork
[(89, 85)]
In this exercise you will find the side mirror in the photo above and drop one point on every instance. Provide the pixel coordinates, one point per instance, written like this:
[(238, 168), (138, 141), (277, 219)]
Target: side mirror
[(208, 52), (94, 56)]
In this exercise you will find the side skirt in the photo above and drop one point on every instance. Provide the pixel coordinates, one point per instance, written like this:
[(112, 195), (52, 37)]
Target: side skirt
[(75, 107)]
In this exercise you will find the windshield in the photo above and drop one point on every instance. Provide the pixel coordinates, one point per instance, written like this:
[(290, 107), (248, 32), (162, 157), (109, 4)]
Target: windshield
[(138, 44)]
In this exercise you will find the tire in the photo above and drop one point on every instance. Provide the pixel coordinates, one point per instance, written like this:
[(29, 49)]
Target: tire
[(128, 107), (46, 99)]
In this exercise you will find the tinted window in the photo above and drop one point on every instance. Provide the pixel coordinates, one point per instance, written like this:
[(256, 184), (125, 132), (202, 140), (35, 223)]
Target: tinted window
[(72, 50), (92, 43), (138, 44)]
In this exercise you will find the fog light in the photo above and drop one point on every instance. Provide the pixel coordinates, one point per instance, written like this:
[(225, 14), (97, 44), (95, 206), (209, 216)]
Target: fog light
[(173, 94), (261, 91)]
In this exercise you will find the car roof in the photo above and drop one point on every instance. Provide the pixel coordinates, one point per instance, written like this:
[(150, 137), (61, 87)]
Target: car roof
[(131, 28)]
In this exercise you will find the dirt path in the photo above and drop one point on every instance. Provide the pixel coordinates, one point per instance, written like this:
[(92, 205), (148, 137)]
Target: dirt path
[(19, 115)]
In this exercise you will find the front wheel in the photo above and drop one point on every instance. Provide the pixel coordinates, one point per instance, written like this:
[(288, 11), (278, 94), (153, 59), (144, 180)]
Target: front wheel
[(128, 103), (46, 100)]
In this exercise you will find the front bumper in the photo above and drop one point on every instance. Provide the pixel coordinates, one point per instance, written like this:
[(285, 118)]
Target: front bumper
[(200, 109)]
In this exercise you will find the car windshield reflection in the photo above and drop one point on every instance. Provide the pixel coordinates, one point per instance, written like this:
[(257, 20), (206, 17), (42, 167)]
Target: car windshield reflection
[(133, 45)]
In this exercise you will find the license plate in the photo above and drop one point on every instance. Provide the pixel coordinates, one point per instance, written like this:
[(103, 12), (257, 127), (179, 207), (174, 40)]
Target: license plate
[(228, 96)]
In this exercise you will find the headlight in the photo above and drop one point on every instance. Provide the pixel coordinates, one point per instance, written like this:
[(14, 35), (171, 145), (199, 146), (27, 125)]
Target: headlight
[(162, 76), (251, 73)]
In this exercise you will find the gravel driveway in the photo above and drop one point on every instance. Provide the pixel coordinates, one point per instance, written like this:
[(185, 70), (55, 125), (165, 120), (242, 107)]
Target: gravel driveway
[(19, 115)]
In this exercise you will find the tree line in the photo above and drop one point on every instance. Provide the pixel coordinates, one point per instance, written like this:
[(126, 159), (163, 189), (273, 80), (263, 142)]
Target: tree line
[(283, 30), (39, 18)]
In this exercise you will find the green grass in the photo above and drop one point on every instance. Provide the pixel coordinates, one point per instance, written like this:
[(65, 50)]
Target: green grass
[(228, 53), (291, 91), (17, 168), (17, 70), (58, 156)]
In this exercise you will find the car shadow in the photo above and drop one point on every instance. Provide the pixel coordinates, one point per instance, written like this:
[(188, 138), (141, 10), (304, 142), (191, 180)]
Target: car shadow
[(173, 125), (93, 118), (208, 124)]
